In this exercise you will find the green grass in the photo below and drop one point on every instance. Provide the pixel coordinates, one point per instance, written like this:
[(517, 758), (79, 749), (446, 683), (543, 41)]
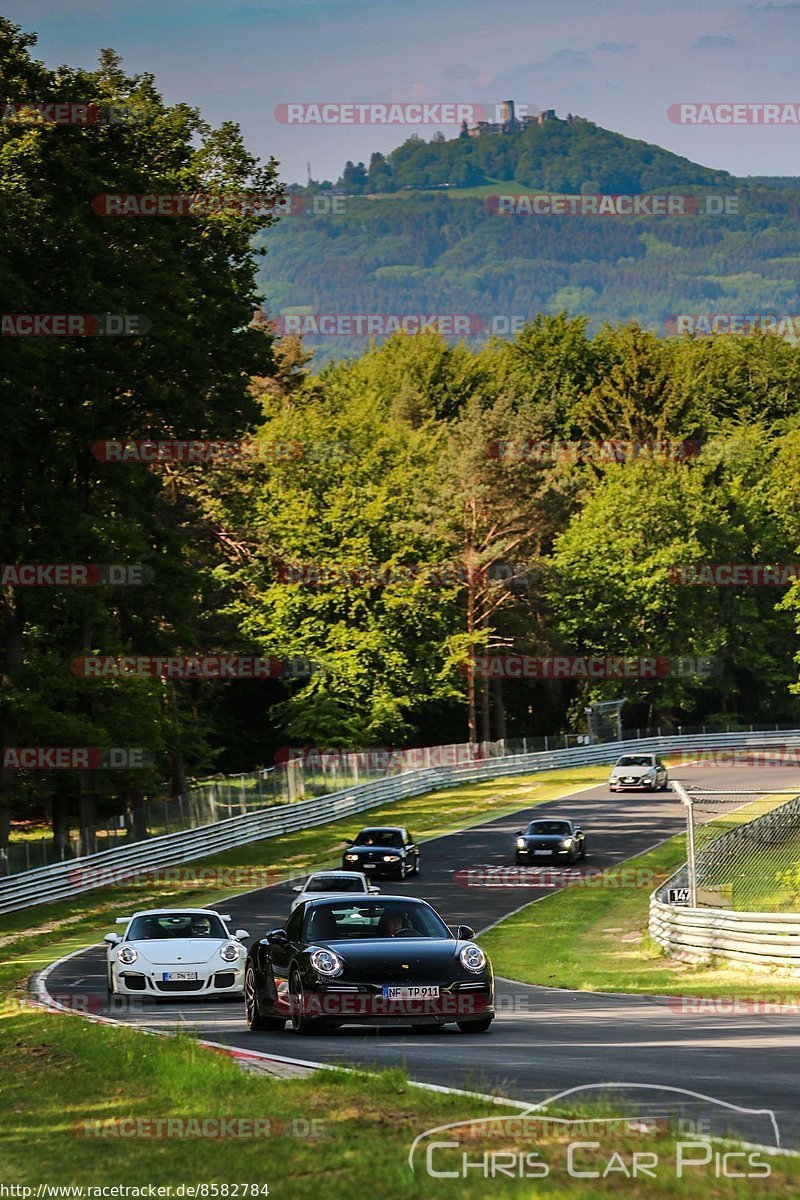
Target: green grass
[(595, 938), (68, 1072)]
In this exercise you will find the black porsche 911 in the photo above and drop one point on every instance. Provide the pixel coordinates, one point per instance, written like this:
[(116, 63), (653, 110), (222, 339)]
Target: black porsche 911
[(554, 838), (377, 960), (383, 850)]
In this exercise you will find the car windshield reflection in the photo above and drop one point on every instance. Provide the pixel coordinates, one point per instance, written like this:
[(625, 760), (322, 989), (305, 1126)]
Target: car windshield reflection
[(376, 919), (175, 925)]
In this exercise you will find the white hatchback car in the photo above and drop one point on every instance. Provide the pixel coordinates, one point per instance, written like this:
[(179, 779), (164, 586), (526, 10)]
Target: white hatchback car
[(333, 883), (176, 952)]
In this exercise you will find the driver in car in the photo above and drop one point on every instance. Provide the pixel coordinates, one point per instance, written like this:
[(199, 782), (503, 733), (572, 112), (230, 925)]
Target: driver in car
[(392, 923)]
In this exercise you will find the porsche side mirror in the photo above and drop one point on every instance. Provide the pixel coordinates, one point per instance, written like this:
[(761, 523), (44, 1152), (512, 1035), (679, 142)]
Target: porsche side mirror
[(348, 841), (464, 932), (298, 887), (518, 833), (240, 934), (112, 939), (276, 937)]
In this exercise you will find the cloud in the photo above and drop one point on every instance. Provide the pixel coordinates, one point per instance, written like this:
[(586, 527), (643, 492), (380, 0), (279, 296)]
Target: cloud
[(615, 47), (462, 73), (713, 41)]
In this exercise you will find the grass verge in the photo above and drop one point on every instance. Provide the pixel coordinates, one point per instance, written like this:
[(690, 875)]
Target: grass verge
[(333, 1134), (594, 937)]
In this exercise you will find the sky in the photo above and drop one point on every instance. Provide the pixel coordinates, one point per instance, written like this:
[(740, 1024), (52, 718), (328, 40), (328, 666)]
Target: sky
[(620, 64)]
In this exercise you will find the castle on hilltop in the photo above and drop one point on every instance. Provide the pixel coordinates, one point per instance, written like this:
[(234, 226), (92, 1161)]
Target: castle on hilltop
[(509, 121)]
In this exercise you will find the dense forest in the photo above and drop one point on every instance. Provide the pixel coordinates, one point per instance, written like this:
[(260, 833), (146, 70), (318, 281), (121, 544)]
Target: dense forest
[(373, 526)]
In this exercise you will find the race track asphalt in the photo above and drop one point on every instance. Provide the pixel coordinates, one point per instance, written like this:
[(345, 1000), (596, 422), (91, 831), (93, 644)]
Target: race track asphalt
[(544, 1040)]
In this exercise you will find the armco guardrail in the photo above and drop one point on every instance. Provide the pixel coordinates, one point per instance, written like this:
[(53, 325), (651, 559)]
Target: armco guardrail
[(62, 880), (700, 934), (694, 934)]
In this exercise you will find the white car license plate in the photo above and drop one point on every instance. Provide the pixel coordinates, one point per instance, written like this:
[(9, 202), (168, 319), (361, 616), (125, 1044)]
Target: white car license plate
[(178, 976), (542, 852), (411, 993)]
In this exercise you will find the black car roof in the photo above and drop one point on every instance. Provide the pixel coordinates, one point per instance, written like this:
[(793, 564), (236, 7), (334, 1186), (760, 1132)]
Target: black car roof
[(352, 898)]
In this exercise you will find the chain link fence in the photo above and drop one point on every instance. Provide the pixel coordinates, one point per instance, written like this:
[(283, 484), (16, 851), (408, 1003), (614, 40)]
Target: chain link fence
[(746, 850), (305, 773)]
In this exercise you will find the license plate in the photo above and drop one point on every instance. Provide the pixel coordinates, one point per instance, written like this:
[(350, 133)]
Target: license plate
[(178, 976), (369, 866), (411, 993), (548, 852)]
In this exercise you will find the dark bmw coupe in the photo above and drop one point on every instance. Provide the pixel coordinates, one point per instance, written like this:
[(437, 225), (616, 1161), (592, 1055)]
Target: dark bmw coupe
[(376, 961), (554, 838), (384, 850)]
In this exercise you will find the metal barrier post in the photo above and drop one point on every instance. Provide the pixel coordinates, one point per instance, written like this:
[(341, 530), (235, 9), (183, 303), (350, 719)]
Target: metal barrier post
[(691, 866)]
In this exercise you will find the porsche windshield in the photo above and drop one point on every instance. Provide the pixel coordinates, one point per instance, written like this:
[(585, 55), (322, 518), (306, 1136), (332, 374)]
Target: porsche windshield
[(372, 919), (553, 828), (175, 925), (334, 883)]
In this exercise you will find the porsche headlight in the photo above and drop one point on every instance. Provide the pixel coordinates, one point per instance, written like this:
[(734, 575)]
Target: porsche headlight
[(327, 962), (351, 858), (520, 843), (391, 858), (128, 955), (473, 958), (229, 952), (566, 843)]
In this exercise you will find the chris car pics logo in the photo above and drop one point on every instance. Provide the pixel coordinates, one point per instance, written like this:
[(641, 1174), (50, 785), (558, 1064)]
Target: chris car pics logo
[(659, 1132)]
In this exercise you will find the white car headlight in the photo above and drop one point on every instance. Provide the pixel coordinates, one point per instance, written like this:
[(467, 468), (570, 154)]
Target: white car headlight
[(229, 952), (391, 858), (327, 962), (473, 958), (128, 955), (521, 843), (648, 778)]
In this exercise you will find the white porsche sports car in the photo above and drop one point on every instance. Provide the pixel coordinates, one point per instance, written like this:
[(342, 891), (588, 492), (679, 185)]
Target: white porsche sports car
[(176, 952)]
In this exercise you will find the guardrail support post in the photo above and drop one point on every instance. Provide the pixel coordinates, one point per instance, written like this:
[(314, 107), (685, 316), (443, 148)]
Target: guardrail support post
[(691, 866)]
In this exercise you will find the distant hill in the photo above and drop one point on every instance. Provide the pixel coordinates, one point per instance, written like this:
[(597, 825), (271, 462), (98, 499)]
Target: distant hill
[(569, 155), (426, 239)]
